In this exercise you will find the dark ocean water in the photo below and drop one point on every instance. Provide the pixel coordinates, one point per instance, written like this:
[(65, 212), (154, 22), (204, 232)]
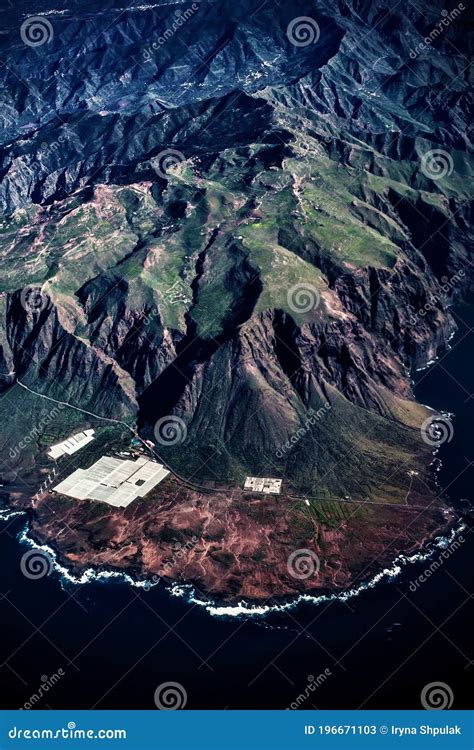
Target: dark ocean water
[(115, 644)]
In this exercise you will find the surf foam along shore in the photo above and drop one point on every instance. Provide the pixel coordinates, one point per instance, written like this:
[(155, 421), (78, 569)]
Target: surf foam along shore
[(88, 576), (246, 609), (242, 608)]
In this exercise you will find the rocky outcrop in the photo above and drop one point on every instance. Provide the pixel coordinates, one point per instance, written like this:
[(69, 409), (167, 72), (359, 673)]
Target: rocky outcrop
[(47, 356)]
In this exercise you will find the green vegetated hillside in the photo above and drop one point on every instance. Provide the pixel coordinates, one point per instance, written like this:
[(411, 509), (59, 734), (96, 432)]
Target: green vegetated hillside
[(183, 293), (291, 262)]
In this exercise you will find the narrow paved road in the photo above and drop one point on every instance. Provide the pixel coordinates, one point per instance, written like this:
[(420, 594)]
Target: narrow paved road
[(119, 422), (209, 490)]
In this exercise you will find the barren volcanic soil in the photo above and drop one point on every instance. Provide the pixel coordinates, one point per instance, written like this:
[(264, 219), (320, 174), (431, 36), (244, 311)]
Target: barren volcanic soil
[(232, 546)]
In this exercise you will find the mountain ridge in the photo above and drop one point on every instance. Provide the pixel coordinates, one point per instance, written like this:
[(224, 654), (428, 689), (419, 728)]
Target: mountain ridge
[(240, 261)]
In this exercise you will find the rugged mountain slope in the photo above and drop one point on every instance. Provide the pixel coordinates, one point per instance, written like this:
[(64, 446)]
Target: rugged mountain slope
[(254, 227)]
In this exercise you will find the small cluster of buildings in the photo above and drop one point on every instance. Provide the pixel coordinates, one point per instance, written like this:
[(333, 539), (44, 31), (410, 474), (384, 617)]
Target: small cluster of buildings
[(119, 481), (266, 485)]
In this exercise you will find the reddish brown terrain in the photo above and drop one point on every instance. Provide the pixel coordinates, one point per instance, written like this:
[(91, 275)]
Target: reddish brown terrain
[(231, 545)]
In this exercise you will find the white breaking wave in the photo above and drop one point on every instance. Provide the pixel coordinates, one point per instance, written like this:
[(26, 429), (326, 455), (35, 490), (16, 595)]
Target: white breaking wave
[(89, 575), (5, 515), (242, 608), (245, 609)]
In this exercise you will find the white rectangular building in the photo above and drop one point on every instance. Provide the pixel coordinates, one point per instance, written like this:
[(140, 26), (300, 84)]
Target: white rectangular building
[(266, 485), (114, 481), (72, 444)]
